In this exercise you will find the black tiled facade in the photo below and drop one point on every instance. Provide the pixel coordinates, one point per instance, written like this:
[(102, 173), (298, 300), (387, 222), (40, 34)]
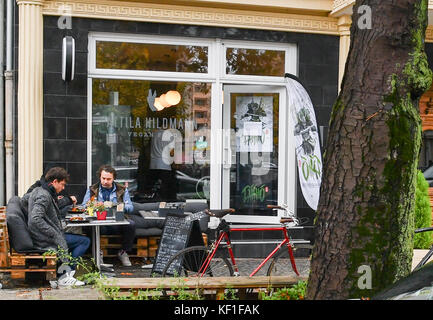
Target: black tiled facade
[(65, 104)]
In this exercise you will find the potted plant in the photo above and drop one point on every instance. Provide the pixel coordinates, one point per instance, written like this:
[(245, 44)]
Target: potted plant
[(96, 206)]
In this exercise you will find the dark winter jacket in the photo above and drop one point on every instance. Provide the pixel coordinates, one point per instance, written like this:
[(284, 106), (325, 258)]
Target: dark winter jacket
[(44, 225), (62, 203)]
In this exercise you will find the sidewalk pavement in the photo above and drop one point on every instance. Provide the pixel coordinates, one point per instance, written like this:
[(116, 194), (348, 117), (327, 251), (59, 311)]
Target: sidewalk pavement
[(418, 254), (45, 292)]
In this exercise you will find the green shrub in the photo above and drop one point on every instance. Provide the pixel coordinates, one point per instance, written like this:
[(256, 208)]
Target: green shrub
[(296, 292), (423, 213)]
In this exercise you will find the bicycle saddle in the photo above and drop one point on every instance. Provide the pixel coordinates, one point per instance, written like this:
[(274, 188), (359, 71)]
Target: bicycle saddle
[(219, 213), (285, 220)]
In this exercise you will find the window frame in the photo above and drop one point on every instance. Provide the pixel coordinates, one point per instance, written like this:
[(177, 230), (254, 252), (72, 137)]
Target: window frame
[(216, 76), (140, 74), (290, 50)]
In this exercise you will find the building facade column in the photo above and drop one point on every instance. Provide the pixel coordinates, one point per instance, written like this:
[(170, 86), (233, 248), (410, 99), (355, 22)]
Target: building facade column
[(344, 23), (30, 93)]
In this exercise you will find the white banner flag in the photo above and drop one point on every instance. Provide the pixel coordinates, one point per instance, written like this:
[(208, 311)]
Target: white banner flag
[(307, 143)]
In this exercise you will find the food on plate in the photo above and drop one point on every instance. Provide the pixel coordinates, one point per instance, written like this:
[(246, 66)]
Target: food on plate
[(77, 210), (76, 219)]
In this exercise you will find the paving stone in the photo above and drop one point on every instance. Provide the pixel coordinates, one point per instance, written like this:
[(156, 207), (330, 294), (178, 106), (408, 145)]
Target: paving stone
[(13, 294), (87, 293)]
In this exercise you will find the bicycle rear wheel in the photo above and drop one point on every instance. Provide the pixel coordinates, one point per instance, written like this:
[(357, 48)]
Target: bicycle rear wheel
[(187, 263), (281, 264)]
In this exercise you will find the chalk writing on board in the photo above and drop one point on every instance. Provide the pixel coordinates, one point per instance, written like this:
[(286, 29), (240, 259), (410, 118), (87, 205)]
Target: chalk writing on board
[(175, 237)]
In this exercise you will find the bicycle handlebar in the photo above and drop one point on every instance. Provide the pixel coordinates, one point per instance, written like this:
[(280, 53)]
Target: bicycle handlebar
[(424, 229), (272, 206)]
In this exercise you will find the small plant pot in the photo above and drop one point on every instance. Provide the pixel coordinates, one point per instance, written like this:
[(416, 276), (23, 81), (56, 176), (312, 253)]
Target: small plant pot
[(101, 215)]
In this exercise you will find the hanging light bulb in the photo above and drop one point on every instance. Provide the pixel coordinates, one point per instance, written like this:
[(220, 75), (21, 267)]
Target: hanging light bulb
[(163, 101), (157, 104), (173, 97)]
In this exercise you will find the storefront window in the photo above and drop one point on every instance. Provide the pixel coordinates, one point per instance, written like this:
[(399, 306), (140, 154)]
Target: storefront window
[(151, 57), (258, 62), (155, 135)]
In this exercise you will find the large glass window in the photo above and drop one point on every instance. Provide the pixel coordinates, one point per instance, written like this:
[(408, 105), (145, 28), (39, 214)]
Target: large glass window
[(155, 135), (151, 57), (150, 116), (258, 62)]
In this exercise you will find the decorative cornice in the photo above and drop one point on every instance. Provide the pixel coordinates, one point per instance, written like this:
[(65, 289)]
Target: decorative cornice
[(315, 5), (150, 12), (341, 6), (344, 23), (33, 2)]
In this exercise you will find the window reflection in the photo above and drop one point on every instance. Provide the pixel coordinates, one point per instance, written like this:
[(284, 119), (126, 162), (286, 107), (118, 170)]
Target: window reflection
[(254, 170), (258, 62), (164, 155), (151, 57)]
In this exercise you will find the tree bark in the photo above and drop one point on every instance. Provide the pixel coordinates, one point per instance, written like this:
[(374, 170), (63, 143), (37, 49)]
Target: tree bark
[(365, 214)]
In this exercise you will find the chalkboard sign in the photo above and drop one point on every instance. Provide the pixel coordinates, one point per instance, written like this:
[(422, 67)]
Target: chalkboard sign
[(179, 232)]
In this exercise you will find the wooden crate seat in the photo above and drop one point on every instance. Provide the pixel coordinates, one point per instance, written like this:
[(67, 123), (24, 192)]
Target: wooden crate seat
[(20, 264), (144, 247)]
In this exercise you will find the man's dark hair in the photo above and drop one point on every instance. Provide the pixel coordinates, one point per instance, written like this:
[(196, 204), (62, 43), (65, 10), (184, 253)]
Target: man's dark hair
[(57, 173), (107, 168)]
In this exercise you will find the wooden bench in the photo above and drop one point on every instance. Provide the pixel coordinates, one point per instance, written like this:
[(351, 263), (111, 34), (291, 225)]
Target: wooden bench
[(206, 285), (20, 264)]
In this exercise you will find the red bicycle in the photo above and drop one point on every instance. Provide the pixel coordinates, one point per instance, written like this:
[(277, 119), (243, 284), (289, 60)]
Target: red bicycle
[(213, 261)]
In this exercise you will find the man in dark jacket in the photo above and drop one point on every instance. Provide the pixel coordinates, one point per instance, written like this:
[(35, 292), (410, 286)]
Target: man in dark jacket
[(44, 224), (64, 201)]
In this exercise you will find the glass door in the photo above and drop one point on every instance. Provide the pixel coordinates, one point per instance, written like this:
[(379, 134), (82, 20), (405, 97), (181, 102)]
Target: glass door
[(258, 166)]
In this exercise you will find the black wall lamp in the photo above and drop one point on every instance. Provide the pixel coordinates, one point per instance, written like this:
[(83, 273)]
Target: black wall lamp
[(68, 58)]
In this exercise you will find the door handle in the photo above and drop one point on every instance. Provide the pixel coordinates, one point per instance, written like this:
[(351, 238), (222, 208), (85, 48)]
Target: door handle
[(227, 153)]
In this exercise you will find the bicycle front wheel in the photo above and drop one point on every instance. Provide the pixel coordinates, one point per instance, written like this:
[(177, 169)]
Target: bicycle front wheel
[(187, 263), (281, 264)]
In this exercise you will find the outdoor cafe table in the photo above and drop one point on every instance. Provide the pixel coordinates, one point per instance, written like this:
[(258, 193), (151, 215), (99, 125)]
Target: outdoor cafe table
[(96, 241)]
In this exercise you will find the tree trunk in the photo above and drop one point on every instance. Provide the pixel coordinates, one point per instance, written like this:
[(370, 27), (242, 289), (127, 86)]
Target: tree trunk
[(365, 214)]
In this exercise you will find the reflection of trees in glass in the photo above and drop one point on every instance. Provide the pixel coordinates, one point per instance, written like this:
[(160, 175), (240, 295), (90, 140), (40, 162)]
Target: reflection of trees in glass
[(134, 150), (255, 62), (154, 57), (132, 99)]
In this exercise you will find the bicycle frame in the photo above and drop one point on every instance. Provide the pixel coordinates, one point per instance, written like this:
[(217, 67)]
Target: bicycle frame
[(224, 235)]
